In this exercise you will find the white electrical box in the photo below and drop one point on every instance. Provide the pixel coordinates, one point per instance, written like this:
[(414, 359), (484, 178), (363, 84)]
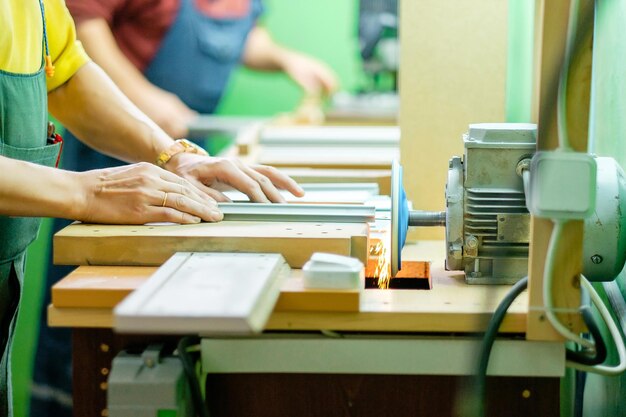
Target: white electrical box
[(562, 185)]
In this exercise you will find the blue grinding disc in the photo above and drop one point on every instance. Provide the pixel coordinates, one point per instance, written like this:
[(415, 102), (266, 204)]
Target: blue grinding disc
[(399, 217), (403, 221)]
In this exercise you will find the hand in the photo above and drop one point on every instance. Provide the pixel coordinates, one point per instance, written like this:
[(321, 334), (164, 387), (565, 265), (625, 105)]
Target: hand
[(167, 111), (313, 76), (142, 193), (259, 182)]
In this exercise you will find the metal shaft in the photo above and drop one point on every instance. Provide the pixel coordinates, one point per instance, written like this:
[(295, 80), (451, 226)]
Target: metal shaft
[(427, 218)]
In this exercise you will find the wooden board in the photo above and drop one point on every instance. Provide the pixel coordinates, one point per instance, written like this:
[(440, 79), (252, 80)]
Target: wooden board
[(450, 306), (151, 245), (551, 26), (106, 286), (454, 56)]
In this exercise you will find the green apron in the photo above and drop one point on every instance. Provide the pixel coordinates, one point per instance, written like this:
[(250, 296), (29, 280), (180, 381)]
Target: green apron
[(23, 135)]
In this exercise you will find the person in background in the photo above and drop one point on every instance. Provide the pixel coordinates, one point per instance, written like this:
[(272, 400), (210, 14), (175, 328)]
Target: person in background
[(173, 59), (42, 68)]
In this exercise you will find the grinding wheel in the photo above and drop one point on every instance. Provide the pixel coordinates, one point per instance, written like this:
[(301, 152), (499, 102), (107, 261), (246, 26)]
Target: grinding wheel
[(399, 217)]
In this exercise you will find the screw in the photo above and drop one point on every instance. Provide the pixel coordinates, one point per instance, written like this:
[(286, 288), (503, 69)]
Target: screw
[(471, 242), (597, 259), (526, 393)]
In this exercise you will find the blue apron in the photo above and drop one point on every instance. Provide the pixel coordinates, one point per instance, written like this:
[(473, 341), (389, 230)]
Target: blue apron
[(195, 61), (199, 71)]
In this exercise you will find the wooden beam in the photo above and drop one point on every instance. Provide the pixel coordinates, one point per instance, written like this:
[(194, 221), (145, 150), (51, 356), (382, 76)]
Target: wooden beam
[(550, 37), (151, 245)]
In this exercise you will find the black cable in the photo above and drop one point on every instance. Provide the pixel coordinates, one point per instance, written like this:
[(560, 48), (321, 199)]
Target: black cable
[(200, 408), (579, 394), (488, 340), (599, 356), (494, 325)]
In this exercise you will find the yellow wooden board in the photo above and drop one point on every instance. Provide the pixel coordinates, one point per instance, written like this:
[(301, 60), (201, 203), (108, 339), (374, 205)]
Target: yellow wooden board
[(454, 56), (88, 244), (106, 286), (451, 306)]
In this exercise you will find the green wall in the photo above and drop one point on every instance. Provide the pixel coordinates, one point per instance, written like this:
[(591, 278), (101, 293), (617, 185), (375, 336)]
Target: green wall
[(325, 29), (606, 396)]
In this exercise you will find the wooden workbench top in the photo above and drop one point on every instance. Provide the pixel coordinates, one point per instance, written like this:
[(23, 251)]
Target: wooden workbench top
[(450, 306)]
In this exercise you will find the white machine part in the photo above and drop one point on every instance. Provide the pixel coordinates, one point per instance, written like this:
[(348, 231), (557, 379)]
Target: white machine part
[(604, 240), (327, 270)]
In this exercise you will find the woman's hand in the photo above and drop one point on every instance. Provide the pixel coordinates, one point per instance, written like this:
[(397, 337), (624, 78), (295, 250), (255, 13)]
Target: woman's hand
[(260, 183), (142, 193)]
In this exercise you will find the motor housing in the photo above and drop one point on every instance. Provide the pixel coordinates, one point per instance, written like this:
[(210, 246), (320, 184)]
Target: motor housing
[(487, 222)]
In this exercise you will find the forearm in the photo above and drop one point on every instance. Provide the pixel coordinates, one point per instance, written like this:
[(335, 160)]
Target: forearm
[(101, 46), (96, 111), (33, 190), (262, 53)]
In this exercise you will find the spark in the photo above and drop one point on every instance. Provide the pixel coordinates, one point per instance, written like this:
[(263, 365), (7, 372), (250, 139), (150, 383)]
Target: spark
[(383, 265)]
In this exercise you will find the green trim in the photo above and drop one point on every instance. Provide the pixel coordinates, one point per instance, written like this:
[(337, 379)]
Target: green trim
[(519, 69)]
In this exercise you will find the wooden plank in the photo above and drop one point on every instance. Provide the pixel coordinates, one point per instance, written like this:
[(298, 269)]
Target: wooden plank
[(450, 306), (455, 54), (106, 286), (151, 245), (98, 286), (551, 23)]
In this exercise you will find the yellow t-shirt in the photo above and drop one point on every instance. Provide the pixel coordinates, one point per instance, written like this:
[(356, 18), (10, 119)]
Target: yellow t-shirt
[(21, 39)]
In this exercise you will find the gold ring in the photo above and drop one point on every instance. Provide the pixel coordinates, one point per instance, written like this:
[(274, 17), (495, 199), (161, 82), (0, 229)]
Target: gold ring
[(164, 200)]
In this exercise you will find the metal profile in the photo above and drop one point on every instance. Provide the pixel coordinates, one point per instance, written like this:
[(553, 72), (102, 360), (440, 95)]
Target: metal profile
[(326, 213)]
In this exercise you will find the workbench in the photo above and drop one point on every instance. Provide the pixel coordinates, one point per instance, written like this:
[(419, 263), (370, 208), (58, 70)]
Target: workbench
[(404, 352)]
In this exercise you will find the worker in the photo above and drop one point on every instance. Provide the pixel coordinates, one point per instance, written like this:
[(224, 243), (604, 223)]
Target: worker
[(42, 67), (173, 59)]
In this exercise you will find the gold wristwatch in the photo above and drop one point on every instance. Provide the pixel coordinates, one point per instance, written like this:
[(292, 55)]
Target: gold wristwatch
[(180, 145)]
